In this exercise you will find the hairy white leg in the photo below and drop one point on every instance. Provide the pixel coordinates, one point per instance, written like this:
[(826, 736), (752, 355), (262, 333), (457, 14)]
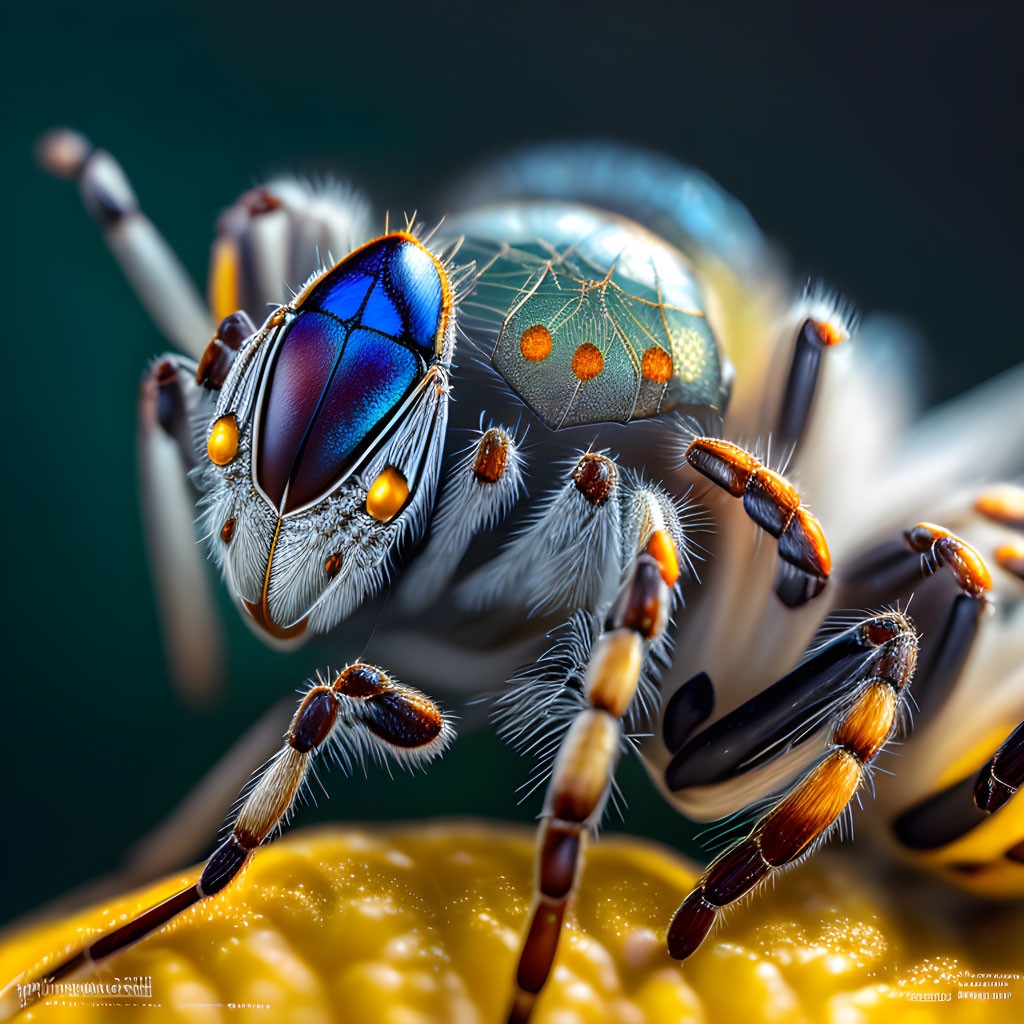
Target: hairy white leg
[(568, 553), (189, 620), (478, 493), (620, 665)]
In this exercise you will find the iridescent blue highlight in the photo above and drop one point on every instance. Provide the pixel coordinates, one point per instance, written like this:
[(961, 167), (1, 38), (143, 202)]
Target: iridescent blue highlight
[(359, 344)]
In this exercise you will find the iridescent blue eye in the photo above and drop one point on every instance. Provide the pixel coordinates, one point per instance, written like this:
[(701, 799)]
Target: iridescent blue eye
[(359, 344)]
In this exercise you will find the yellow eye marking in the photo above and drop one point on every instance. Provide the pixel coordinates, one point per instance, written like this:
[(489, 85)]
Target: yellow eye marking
[(387, 494), (222, 446)]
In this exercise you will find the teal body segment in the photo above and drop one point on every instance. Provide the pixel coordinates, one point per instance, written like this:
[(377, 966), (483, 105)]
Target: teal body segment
[(597, 319)]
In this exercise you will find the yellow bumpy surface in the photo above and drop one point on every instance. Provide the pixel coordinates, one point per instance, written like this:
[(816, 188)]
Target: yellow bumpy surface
[(415, 924)]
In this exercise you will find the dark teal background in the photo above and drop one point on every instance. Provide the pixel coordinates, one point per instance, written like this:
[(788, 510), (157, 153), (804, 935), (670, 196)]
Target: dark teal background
[(879, 144)]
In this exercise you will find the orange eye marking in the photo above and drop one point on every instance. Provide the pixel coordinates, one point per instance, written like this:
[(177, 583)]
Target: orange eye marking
[(333, 565), (1005, 504), (656, 365), (829, 333), (535, 343), (222, 445), (1011, 558), (966, 564), (869, 722), (227, 531), (587, 361), (662, 549), (387, 494)]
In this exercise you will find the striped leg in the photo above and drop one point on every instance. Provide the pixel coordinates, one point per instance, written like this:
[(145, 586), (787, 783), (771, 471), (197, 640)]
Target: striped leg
[(774, 504), (803, 817), (583, 769), (363, 713)]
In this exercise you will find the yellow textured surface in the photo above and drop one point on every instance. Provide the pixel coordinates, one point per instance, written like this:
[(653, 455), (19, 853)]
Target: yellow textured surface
[(422, 923)]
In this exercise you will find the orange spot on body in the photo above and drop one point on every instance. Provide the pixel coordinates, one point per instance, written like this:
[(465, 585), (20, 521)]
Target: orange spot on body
[(222, 445), (656, 365), (535, 343), (587, 361), (227, 531), (662, 549), (333, 565)]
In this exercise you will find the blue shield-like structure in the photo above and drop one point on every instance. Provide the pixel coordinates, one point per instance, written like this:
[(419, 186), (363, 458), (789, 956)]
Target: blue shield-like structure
[(359, 345)]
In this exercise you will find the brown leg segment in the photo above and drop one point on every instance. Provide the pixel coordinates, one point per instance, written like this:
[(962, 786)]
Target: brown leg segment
[(804, 815), (773, 503), (364, 710), (583, 770)]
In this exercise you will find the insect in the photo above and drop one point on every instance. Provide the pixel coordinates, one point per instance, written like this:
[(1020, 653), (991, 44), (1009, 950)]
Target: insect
[(626, 315)]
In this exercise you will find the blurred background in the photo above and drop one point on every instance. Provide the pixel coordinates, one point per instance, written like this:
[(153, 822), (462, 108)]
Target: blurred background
[(879, 145)]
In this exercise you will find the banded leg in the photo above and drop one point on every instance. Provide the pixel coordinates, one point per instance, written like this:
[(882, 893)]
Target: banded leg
[(583, 769), (774, 504), (362, 713), (951, 619), (811, 807), (146, 259)]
